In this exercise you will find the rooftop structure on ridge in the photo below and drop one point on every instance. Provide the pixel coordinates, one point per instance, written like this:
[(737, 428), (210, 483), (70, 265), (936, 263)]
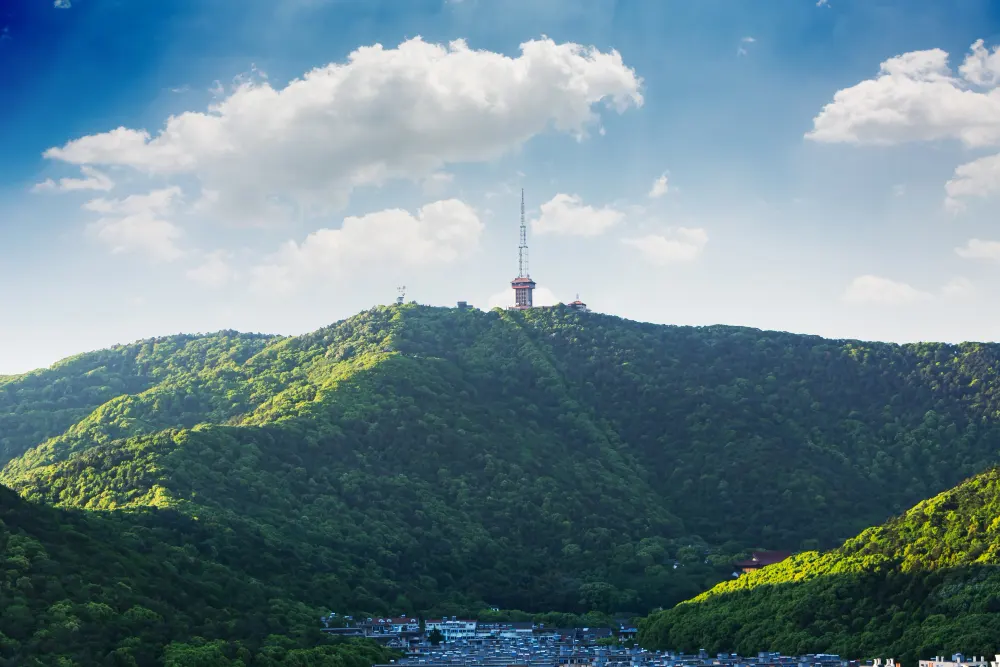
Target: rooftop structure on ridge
[(579, 305), (523, 285)]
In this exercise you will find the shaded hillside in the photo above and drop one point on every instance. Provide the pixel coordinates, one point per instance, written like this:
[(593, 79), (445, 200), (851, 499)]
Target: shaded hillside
[(925, 583), (548, 459), (46, 403), (127, 589), (413, 492)]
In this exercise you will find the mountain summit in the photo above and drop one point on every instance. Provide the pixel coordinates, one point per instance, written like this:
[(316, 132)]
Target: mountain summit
[(416, 458)]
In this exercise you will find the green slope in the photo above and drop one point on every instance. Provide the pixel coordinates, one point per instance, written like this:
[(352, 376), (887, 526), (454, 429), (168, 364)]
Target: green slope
[(925, 583), (133, 588), (47, 403), (416, 458)]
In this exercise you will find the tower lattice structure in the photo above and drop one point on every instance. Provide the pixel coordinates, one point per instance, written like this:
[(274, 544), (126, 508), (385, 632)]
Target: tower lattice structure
[(523, 285)]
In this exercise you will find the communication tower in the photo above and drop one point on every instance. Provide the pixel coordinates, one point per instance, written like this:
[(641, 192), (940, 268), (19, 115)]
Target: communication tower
[(523, 285), (400, 295)]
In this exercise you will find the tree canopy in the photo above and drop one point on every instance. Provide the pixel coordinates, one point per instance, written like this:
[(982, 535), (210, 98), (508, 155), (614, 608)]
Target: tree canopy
[(433, 460)]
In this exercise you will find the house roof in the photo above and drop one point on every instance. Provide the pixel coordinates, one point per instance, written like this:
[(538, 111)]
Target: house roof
[(763, 558)]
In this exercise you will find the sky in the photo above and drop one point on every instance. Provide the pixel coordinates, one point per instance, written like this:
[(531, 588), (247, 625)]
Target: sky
[(827, 167)]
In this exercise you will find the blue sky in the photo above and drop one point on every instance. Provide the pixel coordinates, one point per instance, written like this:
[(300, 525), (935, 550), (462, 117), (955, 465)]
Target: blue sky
[(274, 207)]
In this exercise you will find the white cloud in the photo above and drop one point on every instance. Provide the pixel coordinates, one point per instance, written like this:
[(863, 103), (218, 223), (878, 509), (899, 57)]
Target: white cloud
[(684, 244), (915, 97), (438, 182), (979, 178), (875, 289), (659, 187), (567, 215), (822, 3), (981, 67), (977, 249), (742, 50), (403, 112), (958, 288), (137, 224), (541, 296), (215, 270), (62, 4), (442, 231), (95, 180)]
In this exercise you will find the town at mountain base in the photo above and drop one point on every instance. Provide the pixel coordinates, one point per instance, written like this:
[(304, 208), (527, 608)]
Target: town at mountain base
[(443, 461), (922, 584)]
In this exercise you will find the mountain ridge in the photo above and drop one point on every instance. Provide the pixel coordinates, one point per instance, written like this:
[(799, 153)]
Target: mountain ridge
[(440, 460), (922, 583)]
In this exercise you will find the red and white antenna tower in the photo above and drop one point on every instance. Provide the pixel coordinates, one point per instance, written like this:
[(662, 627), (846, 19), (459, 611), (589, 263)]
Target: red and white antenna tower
[(523, 285)]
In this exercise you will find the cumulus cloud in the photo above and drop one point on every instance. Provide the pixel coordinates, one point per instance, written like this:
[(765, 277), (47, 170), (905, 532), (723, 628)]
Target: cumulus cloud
[(871, 289), (214, 271), (659, 187), (94, 180), (138, 223), (441, 231), (917, 97), (879, 290), (979, 178), (438, 182), (982, 67), (977, 249), (958, 288), (567, 215), (401, 112), (684, 244)]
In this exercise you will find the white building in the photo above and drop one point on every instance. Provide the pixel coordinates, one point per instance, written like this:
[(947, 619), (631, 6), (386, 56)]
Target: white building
[(453, 629), (959, 660)]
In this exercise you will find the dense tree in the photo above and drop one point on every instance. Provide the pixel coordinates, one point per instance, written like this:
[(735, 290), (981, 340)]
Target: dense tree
[(925, 583), (138, 588), (434, 460)]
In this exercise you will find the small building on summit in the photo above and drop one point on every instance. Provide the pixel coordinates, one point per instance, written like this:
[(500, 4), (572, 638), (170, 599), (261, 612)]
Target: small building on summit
[(759, 559), (578, 305)]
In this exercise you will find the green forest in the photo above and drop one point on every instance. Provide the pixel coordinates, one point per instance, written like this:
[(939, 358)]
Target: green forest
[(924, 583), (438, 461)]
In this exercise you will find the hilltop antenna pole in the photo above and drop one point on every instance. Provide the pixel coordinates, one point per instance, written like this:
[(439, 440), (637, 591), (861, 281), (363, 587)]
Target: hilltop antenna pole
[(522, 249), (401, 292), (523, 285)]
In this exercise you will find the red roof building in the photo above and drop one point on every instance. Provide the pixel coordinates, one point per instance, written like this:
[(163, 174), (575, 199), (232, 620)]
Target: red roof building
[(759, 559)]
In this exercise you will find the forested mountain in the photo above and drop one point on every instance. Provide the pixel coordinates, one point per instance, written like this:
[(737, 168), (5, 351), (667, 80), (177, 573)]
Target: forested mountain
[(93, 388), (924, 583), (135, 588), (413, 458)]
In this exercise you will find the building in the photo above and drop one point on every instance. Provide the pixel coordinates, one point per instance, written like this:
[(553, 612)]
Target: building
[(578, 305), (518, 630), (759, 559), (453, 629), (959, 660), (523, 285)]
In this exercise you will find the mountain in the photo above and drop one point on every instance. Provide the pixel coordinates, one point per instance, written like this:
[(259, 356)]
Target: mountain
[(924, 583), (90, 388), (416, 458), (135, 588)]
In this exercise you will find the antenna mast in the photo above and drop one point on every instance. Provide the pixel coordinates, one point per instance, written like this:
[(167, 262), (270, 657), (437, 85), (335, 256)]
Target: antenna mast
[(401, 292), (522, 249), (523, 285)]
